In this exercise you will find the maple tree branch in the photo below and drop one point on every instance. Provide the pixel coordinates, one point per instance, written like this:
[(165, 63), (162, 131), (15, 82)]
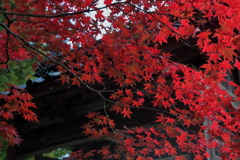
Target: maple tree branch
[(53, 60), (153, 109), (9, 22), (89, 7), (118, 103), (17, 60), (62, 14), (28, 50), (22, 12), (165, 14), (62, 65), (105, 111), (114, 131), (29, 21), (6, 50), (151, 14)]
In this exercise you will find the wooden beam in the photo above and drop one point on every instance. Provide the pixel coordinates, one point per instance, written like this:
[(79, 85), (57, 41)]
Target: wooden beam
[(69, 133)]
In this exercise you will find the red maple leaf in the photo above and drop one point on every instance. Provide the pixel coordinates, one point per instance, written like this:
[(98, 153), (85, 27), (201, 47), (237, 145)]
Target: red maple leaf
[(92, 114), (237, 64), (159, 152), (96, 134), (7, 115), (75, 81), (129, 141), (198, 157), (29, 117), (64, 79), (107, 2), (88, 131), (126, 112), (182, 157), (226, 66), (140, 93), (208, 68), (116, 108), (187, 122), (170, 120)]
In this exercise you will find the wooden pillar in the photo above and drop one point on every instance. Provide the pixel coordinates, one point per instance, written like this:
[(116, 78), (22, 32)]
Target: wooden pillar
[(11, 153)]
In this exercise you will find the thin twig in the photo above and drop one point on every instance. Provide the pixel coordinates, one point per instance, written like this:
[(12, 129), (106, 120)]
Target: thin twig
[(105, 111)]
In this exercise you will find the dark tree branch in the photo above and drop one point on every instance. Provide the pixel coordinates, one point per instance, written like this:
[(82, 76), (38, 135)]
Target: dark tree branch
[(9, 22), (63, 14), (28, 50), (171, 29)]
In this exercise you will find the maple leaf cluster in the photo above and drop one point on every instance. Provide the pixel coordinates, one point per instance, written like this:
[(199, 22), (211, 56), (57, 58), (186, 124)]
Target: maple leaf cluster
[(130, 64), (16, 102), (98, 125)]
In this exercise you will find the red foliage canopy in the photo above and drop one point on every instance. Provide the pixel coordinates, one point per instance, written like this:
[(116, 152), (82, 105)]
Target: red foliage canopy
[(130, 54)]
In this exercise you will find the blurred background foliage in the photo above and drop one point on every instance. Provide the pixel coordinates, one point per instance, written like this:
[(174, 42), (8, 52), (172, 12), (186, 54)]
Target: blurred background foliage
[(3, 150), (18, 74), (57, 153)]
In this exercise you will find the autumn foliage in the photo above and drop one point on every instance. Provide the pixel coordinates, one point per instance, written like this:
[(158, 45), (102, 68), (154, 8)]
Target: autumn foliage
[(192, 108)]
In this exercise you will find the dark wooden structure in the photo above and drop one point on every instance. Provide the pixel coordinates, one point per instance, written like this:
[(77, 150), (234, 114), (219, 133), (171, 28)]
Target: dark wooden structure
[(62, 109)]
